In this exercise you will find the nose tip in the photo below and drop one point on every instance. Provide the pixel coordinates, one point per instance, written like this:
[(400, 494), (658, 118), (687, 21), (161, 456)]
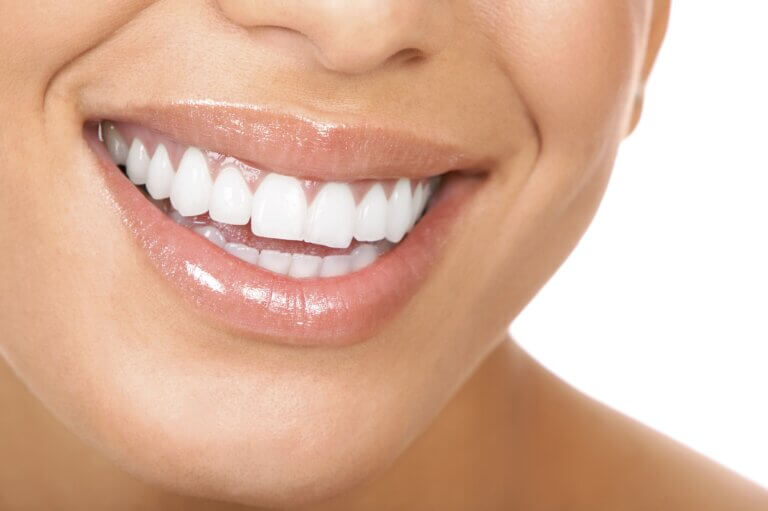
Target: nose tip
[(351, 36)]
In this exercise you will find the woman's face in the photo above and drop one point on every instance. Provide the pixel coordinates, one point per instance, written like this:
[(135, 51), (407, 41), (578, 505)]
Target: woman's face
[(218, 377)]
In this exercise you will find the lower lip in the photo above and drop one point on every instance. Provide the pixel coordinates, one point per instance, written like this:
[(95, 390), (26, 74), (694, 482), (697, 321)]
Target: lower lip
[(313, 312)]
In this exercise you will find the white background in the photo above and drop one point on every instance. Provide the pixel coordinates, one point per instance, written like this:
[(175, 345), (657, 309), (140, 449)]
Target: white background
[(662, 310)]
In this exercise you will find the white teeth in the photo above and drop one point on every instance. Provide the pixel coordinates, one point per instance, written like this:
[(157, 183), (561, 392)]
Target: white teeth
[(419, 199), (371, 221), (331, 218), (336, 265), (191, 190), (272, 260), (116, 146), (243, 252), (279, 208), (301, 266), (212, 234), (363, 256), (231, 199), (137, 163), (160, 174), (305, 266), (399, 211)]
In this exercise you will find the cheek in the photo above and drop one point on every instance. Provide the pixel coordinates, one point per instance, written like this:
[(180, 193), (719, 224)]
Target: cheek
[(577, 85), (37, 216), (33, 51), (574, 61)]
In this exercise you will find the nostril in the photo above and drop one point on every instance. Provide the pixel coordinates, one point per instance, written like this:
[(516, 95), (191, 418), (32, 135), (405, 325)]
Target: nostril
[(353, 62), (407, 56), (351, 36)]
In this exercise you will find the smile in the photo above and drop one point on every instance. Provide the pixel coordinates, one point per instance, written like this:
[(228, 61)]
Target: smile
[(299, 228), (276, 251)]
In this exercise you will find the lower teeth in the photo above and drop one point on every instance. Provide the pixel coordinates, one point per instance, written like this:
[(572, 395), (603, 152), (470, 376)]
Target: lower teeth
[(306, 263)]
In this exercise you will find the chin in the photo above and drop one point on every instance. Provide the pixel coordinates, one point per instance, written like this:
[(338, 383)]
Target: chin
[(262, 440)]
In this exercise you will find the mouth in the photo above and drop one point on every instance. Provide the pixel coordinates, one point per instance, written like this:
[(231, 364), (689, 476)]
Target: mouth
[(305, 234)]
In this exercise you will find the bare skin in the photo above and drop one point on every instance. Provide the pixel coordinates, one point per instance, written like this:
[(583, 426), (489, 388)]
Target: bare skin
[(542, 446), (118, 391)]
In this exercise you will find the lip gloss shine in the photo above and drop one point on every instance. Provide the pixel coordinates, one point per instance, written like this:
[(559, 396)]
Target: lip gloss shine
[(307, 312)]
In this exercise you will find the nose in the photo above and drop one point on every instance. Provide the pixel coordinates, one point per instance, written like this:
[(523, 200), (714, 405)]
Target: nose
[(352, 36)]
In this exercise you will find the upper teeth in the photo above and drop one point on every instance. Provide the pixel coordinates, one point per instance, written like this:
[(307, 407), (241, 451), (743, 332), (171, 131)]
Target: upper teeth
[(278, 207)]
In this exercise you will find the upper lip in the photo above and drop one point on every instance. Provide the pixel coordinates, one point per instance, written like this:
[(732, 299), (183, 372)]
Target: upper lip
[(303, 147)]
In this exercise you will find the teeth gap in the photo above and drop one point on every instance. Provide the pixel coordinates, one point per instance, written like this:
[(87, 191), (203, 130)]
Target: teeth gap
[(344, 228)]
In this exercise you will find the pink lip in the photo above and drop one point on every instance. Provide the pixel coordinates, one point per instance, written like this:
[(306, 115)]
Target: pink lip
[(310, 312), (302, 147)]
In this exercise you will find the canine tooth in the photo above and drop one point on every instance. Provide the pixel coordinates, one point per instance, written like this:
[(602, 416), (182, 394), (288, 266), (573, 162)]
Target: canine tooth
[(243, 252), (231, 199), (279, 208), (137, 163), (305, 266), (363, 256), (160, 174), (371, 220), (399, 211), (191, 189), (331, 218), (212, 234), (272, 260), (116, 146), (418, 203)]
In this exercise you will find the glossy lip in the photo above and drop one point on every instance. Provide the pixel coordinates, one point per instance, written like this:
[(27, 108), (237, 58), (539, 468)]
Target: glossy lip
[(250, 300), (302, 147)]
